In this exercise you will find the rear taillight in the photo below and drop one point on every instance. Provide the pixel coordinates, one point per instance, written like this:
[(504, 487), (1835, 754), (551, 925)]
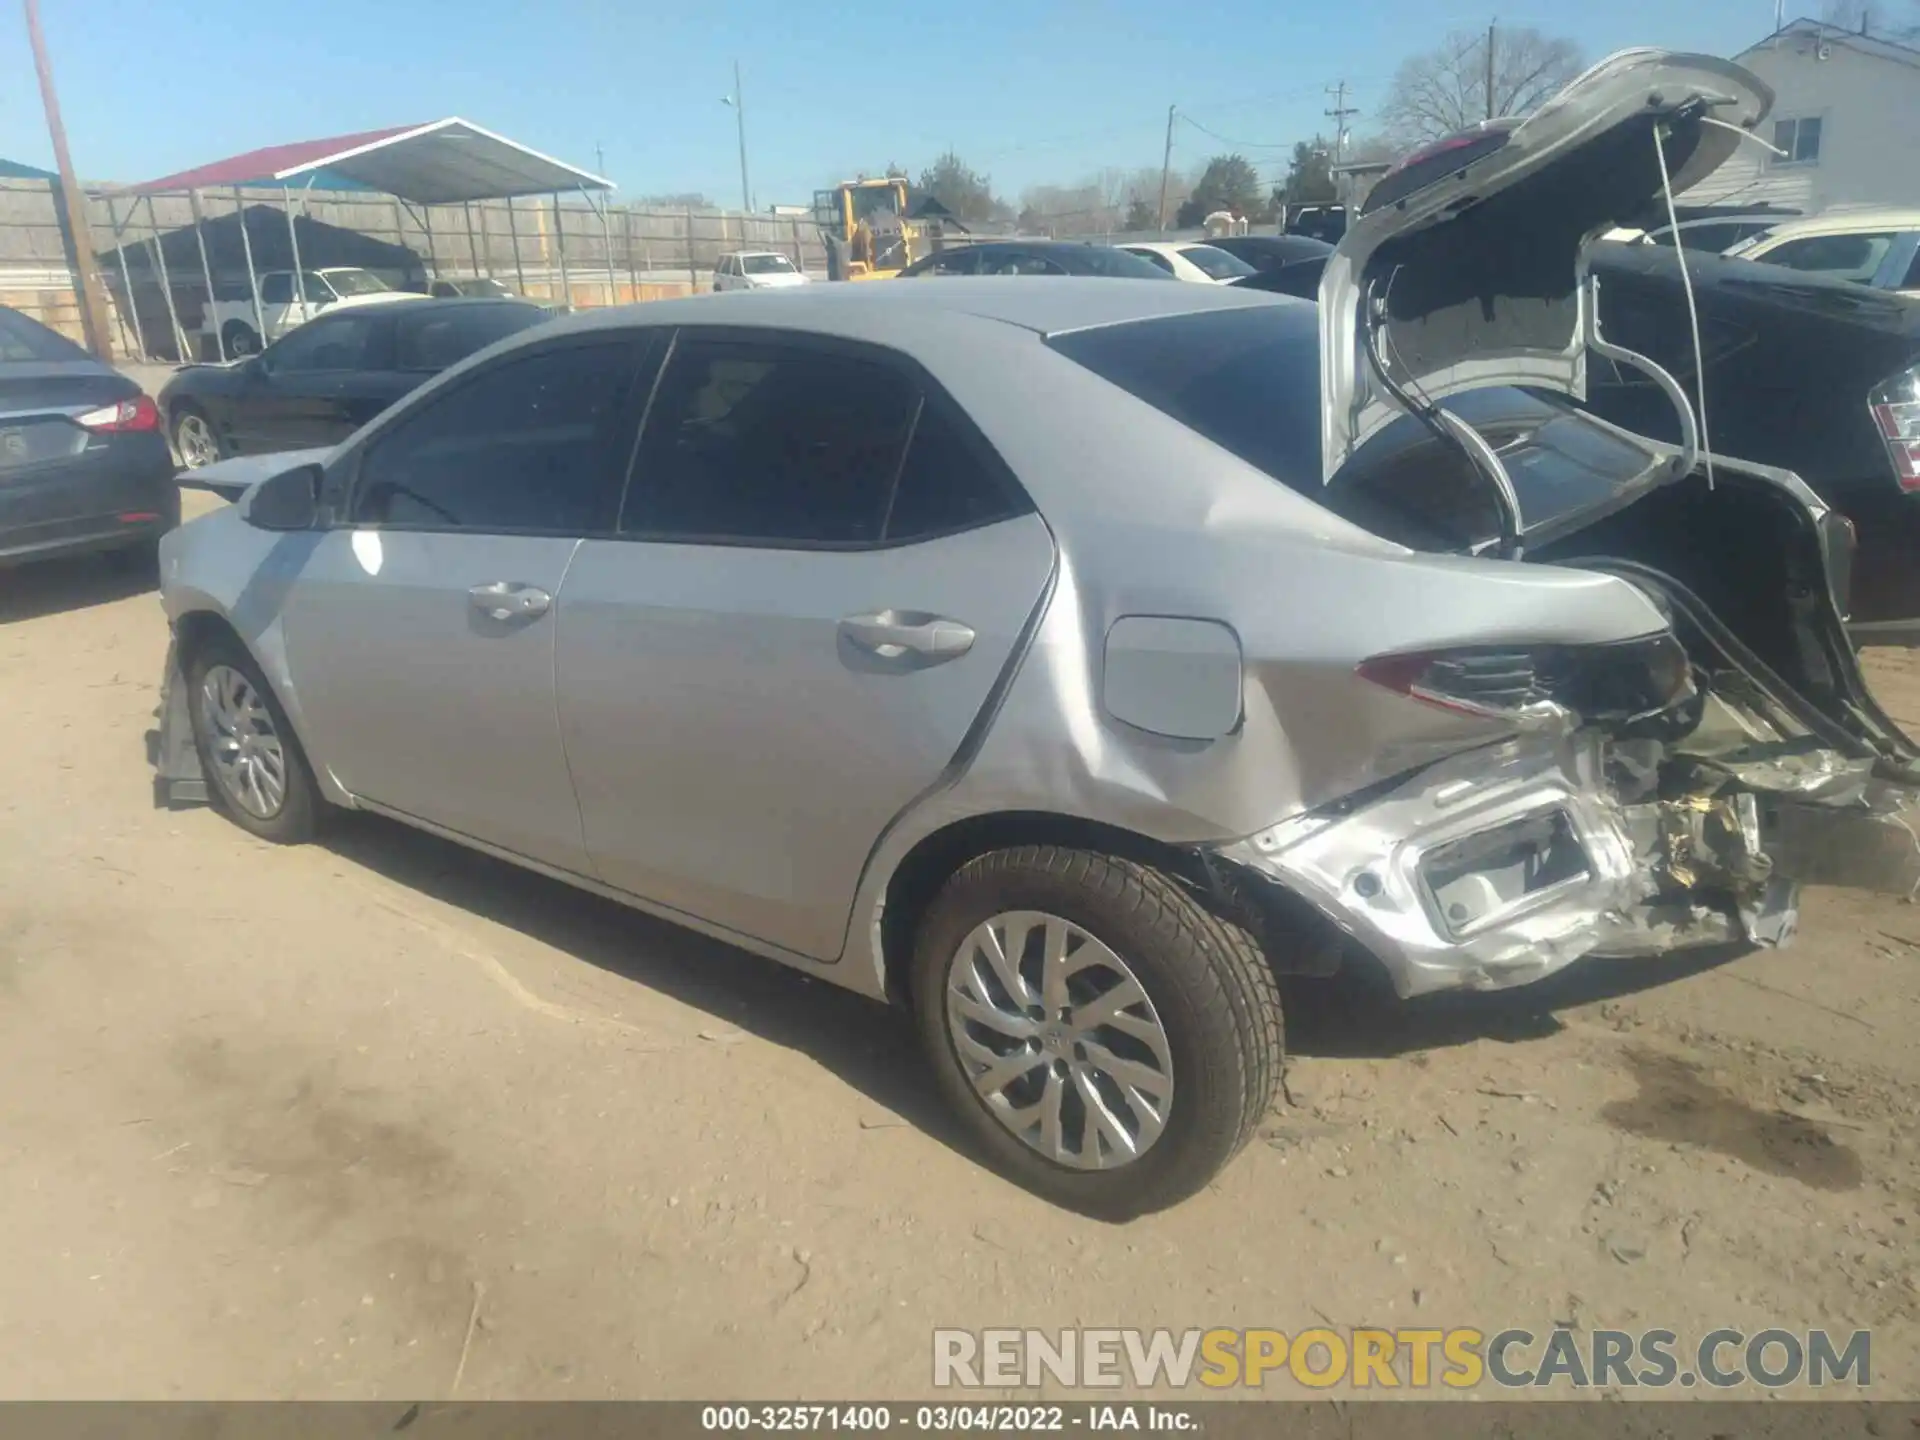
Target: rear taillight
[(1896, 411), (1600, 683), (139, 413)]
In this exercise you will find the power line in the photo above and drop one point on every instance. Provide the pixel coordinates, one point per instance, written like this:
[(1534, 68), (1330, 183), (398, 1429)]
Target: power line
[(1230, 140), (1338, 114)]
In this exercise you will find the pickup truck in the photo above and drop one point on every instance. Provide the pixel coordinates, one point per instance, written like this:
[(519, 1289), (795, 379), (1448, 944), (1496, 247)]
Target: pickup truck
[(333, 287)]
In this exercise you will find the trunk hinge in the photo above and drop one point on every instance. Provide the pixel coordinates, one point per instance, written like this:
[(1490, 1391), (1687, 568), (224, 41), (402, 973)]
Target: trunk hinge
[(1689, 455)]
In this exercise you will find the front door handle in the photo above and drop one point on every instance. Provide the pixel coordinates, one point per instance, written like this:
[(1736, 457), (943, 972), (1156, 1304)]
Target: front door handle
[(893, 633), (509, 600)]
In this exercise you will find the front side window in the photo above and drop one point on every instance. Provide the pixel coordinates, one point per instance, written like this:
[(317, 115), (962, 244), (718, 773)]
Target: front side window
[(1155, 259), (343, 342), (1843, 257), (523, 446), (276, 289), (783, 445)]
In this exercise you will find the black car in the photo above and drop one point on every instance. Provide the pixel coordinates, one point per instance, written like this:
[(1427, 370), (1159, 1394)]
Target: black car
[(1808, 374), (319, 383), (1035, 257), (1293, 262), (83, 464)]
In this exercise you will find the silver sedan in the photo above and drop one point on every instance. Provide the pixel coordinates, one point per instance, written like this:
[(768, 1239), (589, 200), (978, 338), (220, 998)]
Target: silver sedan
[(1067, 659)]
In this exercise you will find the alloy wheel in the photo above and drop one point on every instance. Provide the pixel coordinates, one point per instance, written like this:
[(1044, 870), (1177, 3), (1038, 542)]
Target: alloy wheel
[(249, 760), (1059, 1040), (193, 437)]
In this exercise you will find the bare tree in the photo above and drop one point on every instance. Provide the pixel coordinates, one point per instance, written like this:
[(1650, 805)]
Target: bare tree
[(1446, 89)]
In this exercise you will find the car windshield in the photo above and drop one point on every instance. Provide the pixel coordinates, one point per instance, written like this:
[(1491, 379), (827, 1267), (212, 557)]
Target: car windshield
[(1249, 380), (25, 341), (766, 265), (1215, 264), (355, 282)]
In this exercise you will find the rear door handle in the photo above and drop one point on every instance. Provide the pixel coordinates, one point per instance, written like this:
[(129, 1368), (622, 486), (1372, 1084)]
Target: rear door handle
[(509, 600), (893, 633)]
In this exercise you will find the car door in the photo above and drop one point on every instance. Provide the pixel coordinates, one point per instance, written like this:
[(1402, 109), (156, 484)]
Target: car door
[(315, 386), (421, 633), (793, 632)]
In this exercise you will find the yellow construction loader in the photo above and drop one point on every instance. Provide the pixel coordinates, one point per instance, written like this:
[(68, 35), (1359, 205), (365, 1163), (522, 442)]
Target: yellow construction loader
[(865, 222)]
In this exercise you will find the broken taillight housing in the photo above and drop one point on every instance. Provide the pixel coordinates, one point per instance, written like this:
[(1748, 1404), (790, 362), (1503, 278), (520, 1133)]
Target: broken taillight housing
[(1896, 411), (1612, 683)]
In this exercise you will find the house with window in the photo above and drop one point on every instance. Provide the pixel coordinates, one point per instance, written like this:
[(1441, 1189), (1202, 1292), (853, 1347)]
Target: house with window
[(1845, 113)]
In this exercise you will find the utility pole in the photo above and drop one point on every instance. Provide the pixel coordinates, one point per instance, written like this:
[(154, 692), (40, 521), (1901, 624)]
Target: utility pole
[(93, 299), (599, 159), (1340, 111), (1166, 168), (740, 119), (1490, 41)]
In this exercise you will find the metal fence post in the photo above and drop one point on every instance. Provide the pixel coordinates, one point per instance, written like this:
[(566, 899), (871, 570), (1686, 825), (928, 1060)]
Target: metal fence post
[(693, 272), (606, 235), (486, 240), (560, 249), (473, 251), (513, 234), (166, 288), (626, 241), (299, 275), (126, 279), (206, 273), (253, 278)]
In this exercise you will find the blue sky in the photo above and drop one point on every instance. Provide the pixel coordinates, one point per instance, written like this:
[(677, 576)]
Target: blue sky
[(1031, 91)]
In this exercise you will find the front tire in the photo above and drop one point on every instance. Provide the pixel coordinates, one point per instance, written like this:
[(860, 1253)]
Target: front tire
[(256, 772), (1108, 1041), (195, 440)]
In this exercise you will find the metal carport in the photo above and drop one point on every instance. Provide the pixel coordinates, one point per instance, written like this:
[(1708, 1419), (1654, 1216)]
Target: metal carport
[(444, 162)]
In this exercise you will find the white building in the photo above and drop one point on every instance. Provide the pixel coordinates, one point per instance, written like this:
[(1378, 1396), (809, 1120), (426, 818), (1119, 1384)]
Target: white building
[(1847, 112)]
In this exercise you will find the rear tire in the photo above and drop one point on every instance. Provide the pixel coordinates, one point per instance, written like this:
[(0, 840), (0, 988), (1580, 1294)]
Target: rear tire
[(1183, 1075), (240, 339), (257, 774)]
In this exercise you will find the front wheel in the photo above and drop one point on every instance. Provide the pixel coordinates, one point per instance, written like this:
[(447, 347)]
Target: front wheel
[(255, 768), (194, 439), (1109, 1041)]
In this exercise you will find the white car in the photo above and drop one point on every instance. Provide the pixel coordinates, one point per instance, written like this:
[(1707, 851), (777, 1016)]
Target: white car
[(1879, 247), (286, 302), (1191, 260), (756, 270)]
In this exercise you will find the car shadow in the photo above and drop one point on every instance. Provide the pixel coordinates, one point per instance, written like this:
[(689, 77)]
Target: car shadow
[(869, 1045), (51, 587), (873, 1048), (1355, 1015)]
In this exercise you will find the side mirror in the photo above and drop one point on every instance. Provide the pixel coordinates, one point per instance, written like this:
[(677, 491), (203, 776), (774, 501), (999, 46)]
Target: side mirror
[(288, 501)]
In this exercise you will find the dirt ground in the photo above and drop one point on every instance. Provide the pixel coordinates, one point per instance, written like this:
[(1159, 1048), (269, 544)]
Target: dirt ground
[(381, 1118)]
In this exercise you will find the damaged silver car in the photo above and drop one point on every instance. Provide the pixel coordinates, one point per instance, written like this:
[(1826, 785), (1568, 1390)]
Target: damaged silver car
[(1066, 659)]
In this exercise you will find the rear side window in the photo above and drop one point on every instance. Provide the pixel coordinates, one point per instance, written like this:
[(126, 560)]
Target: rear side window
[(777, 444), (22, 339), (784, 445), (276, 289), (1215, 264), (524, 446), (432, 338), (1155, 259)]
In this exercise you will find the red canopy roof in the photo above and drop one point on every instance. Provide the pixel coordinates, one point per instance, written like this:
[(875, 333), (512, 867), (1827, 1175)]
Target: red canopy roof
[(442, 162), (262, 167)]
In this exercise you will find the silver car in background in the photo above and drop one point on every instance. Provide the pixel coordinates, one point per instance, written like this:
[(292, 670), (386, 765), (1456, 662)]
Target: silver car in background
[(1067, 659)]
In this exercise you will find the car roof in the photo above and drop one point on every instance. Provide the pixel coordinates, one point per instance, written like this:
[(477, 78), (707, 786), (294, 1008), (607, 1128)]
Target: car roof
[(892, 313), (442, 304)]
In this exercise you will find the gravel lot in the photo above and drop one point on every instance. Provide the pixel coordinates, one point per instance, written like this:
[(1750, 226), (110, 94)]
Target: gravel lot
[(380, 1118)]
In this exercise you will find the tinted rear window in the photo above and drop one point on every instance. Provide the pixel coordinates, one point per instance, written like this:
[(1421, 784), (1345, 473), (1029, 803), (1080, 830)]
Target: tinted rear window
[(24, 340), (432, 338), (1249, 381)]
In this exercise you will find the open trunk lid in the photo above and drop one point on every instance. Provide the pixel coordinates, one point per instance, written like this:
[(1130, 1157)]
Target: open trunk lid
[(1466, 266)]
